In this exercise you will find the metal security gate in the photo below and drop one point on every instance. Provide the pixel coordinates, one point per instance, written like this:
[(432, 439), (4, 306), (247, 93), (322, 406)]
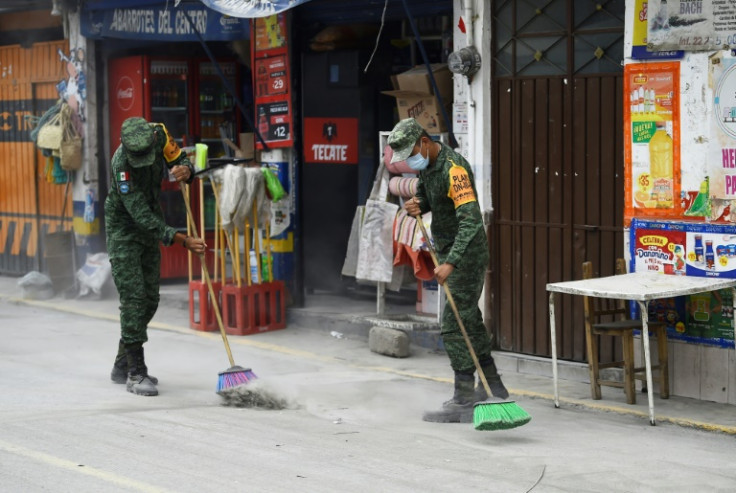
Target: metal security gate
[(30, 206), (557, 178)]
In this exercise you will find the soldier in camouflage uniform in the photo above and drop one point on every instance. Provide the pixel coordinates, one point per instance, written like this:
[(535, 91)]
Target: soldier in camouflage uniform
[(135, 224), (447, 188)]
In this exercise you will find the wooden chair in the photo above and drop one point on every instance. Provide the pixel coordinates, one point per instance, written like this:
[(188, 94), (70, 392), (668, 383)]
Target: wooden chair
[(609, 317)]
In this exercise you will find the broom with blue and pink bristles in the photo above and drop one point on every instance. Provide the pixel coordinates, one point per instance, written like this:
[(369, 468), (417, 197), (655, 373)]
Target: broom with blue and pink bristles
[(234, 376)]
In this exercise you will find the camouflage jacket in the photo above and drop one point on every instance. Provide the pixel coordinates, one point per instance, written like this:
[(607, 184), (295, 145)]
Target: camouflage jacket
[(447, 188), (132, 208)]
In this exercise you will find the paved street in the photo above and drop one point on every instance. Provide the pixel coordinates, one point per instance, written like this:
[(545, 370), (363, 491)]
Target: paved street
[(354, 424)]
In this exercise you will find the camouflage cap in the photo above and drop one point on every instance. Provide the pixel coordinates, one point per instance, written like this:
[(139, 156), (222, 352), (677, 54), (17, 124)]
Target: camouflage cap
[(403, 138), (137, 137)]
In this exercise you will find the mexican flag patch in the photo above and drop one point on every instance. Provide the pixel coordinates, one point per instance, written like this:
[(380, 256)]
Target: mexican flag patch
[(123, 176)]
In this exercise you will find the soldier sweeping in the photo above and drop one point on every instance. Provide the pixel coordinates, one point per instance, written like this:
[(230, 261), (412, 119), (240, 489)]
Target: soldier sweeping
[(447, 188), (135, 224)]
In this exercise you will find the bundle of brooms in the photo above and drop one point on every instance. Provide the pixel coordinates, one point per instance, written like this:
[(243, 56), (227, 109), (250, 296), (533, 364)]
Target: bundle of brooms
[(235, 376), (493, 413)]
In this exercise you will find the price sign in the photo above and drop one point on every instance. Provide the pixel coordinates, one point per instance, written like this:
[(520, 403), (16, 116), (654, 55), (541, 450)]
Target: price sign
[(271, 76), (271, 81)]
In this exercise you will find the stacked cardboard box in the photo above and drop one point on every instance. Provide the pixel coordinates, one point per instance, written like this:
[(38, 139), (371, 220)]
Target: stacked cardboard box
[(415, 97)]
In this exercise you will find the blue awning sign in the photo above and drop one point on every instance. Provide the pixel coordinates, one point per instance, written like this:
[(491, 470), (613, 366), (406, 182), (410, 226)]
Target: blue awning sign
[(158, 23), (251, 8)]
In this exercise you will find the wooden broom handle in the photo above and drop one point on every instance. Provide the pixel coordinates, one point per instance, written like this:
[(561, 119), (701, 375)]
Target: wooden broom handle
[(454, 308), (213, 298)]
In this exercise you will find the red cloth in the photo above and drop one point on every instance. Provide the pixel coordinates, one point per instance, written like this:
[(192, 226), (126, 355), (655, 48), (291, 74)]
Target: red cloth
[(420, 261)]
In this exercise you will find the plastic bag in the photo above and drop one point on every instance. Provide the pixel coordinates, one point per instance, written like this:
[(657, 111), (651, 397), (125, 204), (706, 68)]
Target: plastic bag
[(36, 286), (94, 274), (375, 247), (273, 185)]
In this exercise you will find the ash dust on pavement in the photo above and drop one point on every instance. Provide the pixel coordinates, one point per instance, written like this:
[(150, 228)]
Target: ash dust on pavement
[(255, 394)]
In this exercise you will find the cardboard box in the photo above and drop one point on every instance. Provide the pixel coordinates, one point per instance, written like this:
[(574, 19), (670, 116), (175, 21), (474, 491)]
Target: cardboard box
[(430, 298), (423, 107), (417, 80), (247, 145), (416, 99)]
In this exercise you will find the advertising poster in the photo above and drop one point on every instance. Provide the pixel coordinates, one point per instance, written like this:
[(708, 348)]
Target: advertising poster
[(693, 249), (639, 49), (691, 25), (661, 251), (331, 140), (652, 140), (272, 83), (722, 145)]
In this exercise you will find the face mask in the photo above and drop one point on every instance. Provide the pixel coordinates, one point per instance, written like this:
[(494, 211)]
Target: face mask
[(418, 162)]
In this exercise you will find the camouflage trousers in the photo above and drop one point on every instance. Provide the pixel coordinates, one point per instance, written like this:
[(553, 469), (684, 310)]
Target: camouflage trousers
[(466, 285), (136, 272)]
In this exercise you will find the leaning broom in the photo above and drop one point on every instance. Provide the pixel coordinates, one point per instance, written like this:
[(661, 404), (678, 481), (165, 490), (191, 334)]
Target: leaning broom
[(493, 413)]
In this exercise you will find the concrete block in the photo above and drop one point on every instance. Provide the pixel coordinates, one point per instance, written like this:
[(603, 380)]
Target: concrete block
[(714, 374), (686, 381), (387, 341)]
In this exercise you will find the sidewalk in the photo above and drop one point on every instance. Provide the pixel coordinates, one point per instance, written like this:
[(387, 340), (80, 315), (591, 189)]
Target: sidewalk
[(351, 318)]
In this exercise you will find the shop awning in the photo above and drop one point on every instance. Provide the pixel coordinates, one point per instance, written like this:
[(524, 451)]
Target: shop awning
[(250, 8), (158, 20)]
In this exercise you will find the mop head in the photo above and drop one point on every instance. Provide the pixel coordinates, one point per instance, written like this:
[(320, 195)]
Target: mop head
[(498, 415), (234, 377), (254, 395)]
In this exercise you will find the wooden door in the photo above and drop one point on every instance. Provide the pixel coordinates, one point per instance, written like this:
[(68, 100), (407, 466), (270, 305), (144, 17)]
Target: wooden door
[(557, 177)]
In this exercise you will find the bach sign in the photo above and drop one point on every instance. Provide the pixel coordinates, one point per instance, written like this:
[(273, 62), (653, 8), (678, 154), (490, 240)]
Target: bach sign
[(331, 140)]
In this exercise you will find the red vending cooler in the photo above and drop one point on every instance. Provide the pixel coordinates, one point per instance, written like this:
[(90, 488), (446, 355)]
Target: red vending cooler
[(161, 91)]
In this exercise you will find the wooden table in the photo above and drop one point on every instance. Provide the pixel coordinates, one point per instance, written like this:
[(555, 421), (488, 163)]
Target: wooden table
[(641, 287)]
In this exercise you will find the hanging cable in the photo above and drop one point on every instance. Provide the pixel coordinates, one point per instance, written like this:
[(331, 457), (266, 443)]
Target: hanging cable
[(378, 38)]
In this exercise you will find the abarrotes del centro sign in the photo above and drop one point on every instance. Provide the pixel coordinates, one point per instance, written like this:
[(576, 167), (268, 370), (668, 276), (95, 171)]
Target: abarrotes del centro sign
[(156, 22)]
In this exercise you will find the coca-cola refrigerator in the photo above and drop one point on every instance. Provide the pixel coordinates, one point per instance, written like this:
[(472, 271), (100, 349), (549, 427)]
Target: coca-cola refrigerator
[(188, 97)]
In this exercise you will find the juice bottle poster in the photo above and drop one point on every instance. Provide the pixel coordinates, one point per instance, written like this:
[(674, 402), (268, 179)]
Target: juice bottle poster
[(652, 140)]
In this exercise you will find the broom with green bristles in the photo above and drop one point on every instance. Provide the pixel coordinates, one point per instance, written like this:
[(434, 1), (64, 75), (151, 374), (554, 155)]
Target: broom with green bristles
[(235, 375), (493, 413)]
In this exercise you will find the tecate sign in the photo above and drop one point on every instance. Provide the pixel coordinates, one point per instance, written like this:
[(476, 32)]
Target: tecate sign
[(124, 93)]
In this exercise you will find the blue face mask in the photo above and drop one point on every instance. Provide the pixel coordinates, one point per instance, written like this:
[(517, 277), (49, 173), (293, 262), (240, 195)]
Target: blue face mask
[(417, 162)]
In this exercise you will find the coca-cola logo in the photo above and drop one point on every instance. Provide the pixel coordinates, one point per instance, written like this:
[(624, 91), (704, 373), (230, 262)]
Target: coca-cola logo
[(124, 93)]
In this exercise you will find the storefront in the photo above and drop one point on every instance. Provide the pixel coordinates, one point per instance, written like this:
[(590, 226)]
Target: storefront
[(679, 198), (33, 64)]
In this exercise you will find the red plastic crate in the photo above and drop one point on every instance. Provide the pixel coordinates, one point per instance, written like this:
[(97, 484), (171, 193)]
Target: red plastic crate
[(201, 312), (253, 309)]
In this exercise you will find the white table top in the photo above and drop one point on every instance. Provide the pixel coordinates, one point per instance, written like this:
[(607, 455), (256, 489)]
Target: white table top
[(641, 286)]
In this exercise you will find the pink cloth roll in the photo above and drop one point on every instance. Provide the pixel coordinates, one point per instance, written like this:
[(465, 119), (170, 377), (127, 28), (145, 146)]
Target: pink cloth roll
[(403, 187), (395, 168)]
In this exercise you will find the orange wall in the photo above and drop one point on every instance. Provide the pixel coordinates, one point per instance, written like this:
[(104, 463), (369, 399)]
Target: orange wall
[(28, 204)]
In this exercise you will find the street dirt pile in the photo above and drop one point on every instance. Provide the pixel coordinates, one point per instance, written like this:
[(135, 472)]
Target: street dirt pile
[(255, 395)]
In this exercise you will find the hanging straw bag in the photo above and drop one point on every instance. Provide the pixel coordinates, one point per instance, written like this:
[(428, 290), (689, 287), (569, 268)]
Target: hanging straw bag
[(71, 145), (51, 133)]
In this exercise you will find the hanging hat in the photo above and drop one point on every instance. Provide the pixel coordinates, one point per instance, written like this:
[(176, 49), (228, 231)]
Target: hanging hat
[(137, 138)]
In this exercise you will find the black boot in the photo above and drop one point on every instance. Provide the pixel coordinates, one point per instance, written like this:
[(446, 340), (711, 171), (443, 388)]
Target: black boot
[(119, 373), (138, 380), (460, 408), (494, 382)]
